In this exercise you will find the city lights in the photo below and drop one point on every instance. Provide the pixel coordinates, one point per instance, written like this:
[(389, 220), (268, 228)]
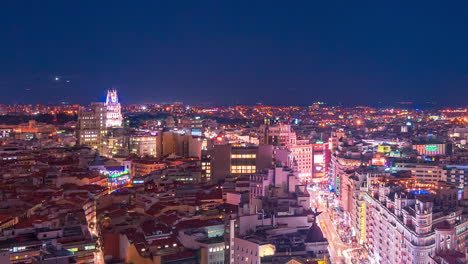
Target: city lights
[(234, 133)]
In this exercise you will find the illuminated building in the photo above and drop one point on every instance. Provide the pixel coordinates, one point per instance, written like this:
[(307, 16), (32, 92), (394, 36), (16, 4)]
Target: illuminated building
[(206, 168), (298, 157), (34, 127), (145, 144), (384, 148), (420, 171), (95, 120), (115, 143), (430, 172), (318, 164), (27, 131), (117, 176), (26, 242), (336, 136), (458, 175), (6, 131), (337, 170), (326, 162), (251, 251), (300, 151), (113, 110), (302, 158), (91, 125), (277, 135), (353, 186), (243, 163), (378, 160), (144, 166), (433, 149), (254, 245), (409, 222), (459, 136), (239, 160)]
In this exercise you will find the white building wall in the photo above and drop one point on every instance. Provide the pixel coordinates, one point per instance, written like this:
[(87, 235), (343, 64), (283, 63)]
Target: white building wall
[(246, 252)]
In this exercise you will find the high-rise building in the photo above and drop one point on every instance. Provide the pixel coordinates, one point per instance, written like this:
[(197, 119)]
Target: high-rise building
[(113, 110), (407, 221), (300, 154), (95, 120)]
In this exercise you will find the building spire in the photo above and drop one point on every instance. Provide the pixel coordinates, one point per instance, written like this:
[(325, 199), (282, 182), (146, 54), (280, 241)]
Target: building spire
[(112, 97)]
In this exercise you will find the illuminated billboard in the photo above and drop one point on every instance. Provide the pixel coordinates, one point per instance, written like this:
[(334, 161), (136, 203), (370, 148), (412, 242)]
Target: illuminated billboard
[(378, 161), (384, 148), (117, 176), (318, 159), (318, 168), (363, 222), (431, 148)]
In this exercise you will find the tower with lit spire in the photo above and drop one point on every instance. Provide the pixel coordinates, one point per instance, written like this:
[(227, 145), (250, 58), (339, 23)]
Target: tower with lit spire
[(113, 109), (96, 120), (112, 97)]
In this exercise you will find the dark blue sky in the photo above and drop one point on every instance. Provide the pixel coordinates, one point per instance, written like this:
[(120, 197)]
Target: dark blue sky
[(226, 52)]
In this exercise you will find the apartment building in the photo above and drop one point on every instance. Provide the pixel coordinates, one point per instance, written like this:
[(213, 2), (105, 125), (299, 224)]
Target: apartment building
[(410, 222)]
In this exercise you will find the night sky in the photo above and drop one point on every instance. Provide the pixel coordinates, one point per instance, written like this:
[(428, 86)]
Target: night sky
[(235, 52)]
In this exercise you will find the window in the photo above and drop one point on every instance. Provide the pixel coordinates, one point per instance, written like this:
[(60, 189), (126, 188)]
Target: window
[(243, 156), (246, 169)]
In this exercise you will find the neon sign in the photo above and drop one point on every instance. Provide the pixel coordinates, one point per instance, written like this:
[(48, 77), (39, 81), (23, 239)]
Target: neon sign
[(363, 222), (117, 177), (115, 173), (337, 188), (432, 148)]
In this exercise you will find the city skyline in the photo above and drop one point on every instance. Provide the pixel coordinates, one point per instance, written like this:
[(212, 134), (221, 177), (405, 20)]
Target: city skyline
[(237, 185), (233, 132), (230, 53), (427, 105)]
